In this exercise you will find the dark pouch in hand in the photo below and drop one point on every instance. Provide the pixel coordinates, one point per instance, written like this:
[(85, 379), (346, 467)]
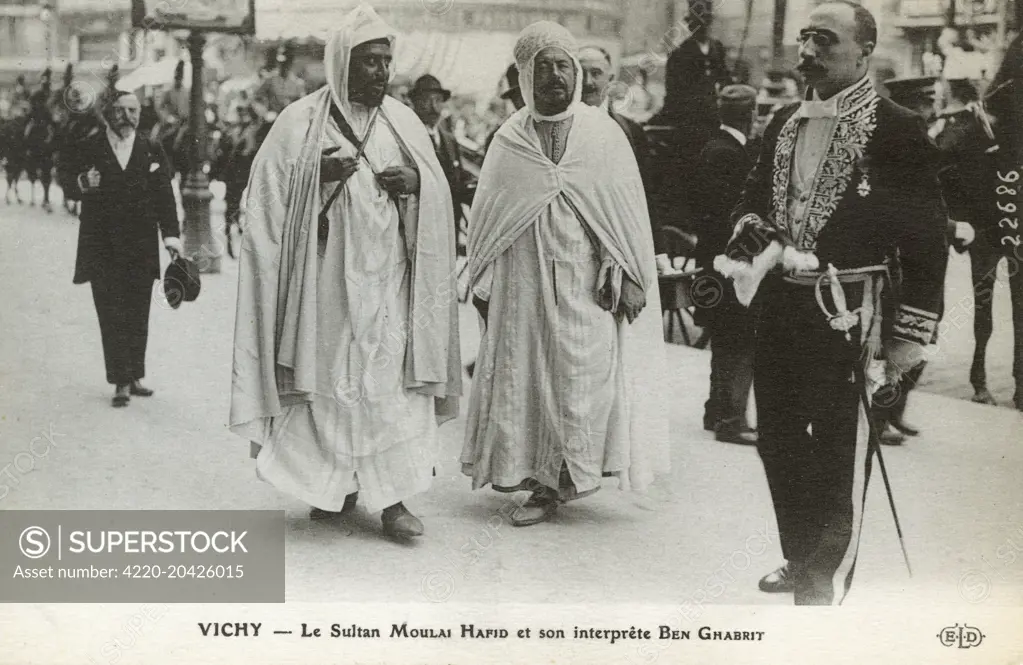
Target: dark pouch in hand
[(483, 307)]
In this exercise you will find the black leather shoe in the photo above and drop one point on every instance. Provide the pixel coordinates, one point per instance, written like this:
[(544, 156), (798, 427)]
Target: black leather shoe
[(140, 390), (908, 430), (781, 580), (121, 397), (730, 432), (400, 523)]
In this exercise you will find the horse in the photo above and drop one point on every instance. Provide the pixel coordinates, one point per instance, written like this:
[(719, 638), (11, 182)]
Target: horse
[(39, 145), (12, 143)]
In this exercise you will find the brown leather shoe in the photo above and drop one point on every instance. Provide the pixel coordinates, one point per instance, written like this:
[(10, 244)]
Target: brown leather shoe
[(121, 397), (139, 390), (540, 507), (781, 580), (400, 523)]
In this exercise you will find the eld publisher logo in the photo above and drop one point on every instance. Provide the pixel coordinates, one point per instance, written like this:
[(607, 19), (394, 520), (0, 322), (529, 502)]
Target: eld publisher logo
[(963, 636), (34, 542)]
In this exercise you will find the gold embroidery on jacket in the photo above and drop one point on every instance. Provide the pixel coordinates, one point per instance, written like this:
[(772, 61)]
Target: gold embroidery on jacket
[(857, 120)]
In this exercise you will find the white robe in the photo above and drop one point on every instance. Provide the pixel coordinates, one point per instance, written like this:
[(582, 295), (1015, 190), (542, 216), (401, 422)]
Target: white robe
[(557, 378), (362, 430)]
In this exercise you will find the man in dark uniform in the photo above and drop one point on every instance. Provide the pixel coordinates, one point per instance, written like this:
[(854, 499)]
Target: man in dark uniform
[(724, 165), (845, 181), (918, 95), (694, 73), (127, 203)]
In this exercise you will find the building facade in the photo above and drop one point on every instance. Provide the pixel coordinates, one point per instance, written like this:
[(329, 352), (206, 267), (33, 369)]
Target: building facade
[(467, 44)]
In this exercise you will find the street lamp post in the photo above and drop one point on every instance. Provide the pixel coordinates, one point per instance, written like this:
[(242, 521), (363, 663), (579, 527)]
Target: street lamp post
[(46, 16), (195, 192)]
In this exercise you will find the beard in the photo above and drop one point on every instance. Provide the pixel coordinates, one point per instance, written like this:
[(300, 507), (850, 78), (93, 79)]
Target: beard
[(123, 128), (555, 94), (368, 95)]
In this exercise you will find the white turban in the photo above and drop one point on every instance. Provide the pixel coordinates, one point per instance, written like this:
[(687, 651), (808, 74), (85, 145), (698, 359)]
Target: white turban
[(359, 26), (533, 39)]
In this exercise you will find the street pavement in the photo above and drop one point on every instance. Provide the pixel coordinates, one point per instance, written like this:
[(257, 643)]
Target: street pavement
[(705, 536)]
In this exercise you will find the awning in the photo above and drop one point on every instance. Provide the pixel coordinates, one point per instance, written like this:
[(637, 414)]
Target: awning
[(467, 63), (161, 72)]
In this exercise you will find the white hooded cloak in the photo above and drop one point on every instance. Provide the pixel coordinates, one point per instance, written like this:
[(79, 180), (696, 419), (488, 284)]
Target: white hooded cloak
[(558, 380), (346, 348)]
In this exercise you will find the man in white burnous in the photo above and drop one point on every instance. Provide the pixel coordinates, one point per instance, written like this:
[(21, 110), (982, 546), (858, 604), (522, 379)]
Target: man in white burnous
[(346, 353), (568, 385)]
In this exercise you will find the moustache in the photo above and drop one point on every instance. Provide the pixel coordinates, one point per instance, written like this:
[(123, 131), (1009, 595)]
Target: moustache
[(807, 66)]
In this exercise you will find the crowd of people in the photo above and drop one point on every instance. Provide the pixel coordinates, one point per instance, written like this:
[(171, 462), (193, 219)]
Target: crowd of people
[(823, 238)]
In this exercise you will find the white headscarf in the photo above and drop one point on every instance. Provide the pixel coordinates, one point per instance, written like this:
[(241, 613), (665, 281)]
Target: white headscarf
[(533, 39), (359, 26)]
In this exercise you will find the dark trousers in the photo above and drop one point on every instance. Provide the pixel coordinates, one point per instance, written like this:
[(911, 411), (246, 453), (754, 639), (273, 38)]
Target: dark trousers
[(983, 269), (890, 400), (731, 361), (812, 438), (232, 199), (122, 306)]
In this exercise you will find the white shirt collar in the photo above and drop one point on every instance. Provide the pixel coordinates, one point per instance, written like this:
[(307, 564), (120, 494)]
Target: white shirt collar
[(605, 103), (739, 136), (122, 147)]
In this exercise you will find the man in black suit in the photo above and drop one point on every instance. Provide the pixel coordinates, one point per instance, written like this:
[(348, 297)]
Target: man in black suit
[(694, 73), (724, 165), (127, 204), (848, 180), (428, 97), (598, 76)]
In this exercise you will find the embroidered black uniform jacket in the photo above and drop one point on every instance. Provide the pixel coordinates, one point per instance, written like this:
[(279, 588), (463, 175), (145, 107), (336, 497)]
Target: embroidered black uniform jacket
[(876, 196)]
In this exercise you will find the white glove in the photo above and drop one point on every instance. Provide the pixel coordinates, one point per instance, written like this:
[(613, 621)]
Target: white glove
[(965, 232), (902, 356), (173, 246)]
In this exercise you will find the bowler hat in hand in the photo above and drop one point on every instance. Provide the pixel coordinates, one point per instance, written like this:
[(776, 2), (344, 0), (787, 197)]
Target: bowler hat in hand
[(181, 282)]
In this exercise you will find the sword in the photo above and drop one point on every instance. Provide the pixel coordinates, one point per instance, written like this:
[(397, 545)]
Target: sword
[(875, 446), (843, 320)]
